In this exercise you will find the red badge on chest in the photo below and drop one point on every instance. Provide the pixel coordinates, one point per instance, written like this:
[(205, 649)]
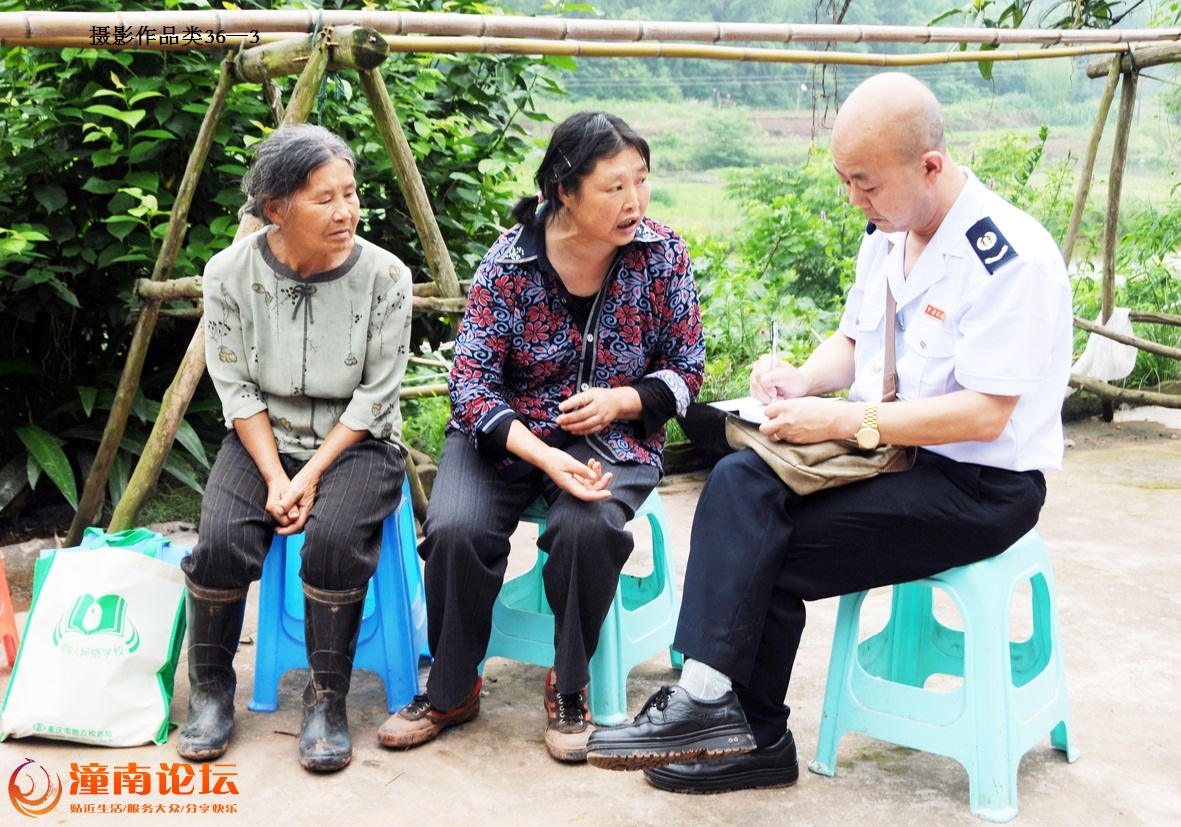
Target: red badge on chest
[(934, 312)]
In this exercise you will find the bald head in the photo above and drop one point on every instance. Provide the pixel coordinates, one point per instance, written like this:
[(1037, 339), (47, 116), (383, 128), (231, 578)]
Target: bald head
[(889, 150), (891, 109)]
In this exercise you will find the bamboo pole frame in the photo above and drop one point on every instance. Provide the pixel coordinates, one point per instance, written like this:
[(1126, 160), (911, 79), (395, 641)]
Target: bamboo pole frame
[(1087, 174), (410, 182), (61, 28), (1115, 181), (351, 47), (1119, 160)]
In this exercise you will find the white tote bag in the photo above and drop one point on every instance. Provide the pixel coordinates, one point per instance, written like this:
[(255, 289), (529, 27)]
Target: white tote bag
[(98, 656)]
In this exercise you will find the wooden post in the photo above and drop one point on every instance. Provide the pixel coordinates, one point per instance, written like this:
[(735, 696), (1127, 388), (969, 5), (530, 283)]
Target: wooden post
[(1119, 160), (108, 449), (180, 392), (1088, 171), (411, 184)]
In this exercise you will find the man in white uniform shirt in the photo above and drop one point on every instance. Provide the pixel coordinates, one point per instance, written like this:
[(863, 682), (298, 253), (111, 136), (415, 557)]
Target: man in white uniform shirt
[(983, 340)]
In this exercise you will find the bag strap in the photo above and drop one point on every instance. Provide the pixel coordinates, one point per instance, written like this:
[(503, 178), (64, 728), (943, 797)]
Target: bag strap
[(890, 374)]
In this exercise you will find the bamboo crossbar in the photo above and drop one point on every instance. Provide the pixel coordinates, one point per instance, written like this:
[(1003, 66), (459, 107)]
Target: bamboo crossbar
[(41, 28), (590, 49), (570, 48)]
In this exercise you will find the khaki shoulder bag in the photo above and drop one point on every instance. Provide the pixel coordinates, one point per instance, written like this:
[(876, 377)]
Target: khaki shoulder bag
[(815, 466)]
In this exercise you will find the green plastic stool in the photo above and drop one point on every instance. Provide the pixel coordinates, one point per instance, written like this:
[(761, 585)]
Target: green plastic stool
[(1012, 693), (641, 621)]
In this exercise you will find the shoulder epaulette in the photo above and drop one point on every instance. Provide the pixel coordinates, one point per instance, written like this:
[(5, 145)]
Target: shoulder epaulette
[(990, 245)]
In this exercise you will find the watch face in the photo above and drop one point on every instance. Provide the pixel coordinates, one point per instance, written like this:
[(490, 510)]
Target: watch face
[(867, 439)]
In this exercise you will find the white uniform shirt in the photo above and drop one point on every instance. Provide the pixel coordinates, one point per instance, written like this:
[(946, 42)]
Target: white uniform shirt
[(1008, 332)]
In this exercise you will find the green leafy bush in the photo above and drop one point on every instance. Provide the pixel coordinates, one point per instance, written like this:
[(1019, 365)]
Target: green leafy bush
[(791, 262)]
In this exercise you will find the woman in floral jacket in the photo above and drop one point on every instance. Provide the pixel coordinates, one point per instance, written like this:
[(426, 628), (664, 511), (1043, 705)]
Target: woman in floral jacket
[(581, 339)]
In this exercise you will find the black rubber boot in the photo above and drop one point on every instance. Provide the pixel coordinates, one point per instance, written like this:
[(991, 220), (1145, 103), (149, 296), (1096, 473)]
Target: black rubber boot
[(215, 624), (332, 620)]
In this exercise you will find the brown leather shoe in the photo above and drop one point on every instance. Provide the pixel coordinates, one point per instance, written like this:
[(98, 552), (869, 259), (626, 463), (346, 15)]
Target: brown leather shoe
[(419, 722), (569, 722)]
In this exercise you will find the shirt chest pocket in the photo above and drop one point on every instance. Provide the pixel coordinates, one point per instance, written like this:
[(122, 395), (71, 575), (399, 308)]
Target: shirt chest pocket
[(930, 360), (930, 340)]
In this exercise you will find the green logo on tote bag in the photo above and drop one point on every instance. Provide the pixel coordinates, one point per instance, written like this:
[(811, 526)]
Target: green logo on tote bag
[(97, 618)]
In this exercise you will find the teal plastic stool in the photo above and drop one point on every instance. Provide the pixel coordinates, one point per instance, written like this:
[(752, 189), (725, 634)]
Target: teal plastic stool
[(640, 623), (393, 623), (1012, 693)]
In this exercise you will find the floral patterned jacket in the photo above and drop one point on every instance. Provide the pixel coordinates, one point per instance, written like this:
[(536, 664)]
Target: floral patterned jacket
[(519, 351)]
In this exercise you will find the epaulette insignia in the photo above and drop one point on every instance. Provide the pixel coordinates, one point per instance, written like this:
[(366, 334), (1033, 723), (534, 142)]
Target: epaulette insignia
[(992, 247), (870, 227)]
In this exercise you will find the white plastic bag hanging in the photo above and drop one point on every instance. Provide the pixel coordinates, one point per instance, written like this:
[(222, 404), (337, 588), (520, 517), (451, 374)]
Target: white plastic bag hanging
[(1106, 359)]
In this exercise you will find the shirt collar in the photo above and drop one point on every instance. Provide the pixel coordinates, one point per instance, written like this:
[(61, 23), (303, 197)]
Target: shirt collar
[(530, 240), (962, 215)]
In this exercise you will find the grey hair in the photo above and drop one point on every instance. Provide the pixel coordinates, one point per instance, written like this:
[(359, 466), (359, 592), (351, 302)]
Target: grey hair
[(285, 161)]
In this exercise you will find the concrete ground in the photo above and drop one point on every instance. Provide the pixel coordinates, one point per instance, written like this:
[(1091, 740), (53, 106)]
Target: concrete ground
[(1108, 524)]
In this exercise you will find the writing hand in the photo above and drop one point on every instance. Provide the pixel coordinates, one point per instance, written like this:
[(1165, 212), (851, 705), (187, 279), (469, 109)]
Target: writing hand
[(772, 379)]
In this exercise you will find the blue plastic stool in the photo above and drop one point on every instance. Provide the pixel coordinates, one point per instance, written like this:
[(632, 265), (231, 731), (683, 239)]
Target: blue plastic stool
[(1012, 693), (640, 623), (393, 625)]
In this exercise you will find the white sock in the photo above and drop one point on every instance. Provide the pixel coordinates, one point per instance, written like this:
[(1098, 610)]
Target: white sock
[(703, 681)]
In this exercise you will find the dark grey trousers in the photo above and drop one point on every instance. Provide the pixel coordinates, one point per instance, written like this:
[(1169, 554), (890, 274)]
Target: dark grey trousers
[(472, 514), (342, 537)]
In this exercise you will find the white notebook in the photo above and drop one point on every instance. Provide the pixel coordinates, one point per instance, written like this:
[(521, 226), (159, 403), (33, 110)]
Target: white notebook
[(746, 408)]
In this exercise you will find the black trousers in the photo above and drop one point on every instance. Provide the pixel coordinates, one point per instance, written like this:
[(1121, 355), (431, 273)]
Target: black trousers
[(472, 514), (342, 537), (758, 550)]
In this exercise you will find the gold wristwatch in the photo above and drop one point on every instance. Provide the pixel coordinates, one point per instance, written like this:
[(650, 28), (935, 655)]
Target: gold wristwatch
[(867, 435)]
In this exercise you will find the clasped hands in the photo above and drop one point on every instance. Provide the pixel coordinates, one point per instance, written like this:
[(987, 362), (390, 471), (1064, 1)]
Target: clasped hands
[(792, 415), (290, 501)]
